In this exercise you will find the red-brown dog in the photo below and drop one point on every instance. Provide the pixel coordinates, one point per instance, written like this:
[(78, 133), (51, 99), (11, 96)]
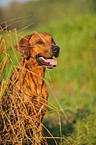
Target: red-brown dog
[(24, 102)]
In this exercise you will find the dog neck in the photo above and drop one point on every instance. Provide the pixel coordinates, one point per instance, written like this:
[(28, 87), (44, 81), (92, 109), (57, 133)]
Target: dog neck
[(31, 65), (33, 73)]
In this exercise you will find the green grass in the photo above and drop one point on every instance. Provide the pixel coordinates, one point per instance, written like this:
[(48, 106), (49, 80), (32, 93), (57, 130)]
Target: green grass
[(73, 81)]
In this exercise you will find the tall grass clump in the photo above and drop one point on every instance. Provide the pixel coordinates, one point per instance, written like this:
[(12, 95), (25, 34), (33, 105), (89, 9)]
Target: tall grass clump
[(9, 60)]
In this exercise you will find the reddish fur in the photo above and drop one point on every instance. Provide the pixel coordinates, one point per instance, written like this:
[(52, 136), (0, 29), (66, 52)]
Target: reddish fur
[(25, 98)]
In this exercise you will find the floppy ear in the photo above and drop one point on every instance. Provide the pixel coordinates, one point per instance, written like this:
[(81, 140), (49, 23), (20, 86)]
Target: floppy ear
[(23, 46)]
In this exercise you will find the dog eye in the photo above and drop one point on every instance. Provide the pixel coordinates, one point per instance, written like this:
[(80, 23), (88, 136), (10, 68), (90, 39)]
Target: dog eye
[(39, 42)]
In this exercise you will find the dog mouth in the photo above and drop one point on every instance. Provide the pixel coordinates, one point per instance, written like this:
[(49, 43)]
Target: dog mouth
[(46, 62)]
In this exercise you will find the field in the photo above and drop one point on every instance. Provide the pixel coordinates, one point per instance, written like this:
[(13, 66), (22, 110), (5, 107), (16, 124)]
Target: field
[(71, 112)]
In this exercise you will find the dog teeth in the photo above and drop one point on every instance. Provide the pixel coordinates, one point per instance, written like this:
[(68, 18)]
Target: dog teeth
[(42, 58)]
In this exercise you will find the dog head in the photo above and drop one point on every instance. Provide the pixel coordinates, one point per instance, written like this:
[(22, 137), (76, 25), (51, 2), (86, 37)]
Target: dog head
[(41, 47)]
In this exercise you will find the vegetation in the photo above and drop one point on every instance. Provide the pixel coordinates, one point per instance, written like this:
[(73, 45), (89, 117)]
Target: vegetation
[(71, 111)]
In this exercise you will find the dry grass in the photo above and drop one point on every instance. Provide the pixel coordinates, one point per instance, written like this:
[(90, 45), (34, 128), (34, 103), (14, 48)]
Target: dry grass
[(9, 59)]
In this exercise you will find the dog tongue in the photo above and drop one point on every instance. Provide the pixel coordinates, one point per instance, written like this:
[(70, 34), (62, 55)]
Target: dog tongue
[(51, 61)]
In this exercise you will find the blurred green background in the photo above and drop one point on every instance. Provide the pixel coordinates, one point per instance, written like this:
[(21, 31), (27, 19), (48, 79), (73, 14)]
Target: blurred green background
[(72, 24)]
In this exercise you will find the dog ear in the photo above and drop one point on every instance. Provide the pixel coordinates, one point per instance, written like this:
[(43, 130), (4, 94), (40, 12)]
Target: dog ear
[(23, 46)]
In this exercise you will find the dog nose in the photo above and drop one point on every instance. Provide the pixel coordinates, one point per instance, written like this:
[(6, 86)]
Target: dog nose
[(55, 49)]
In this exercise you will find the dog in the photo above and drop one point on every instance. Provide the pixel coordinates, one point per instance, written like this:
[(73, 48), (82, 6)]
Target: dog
[(24, 102)]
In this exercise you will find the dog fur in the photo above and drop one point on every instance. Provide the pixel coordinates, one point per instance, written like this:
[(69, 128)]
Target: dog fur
[(24, 102)]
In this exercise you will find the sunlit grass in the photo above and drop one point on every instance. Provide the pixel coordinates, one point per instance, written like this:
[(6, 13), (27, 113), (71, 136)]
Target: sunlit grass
[(73, 82), (9, 59)]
